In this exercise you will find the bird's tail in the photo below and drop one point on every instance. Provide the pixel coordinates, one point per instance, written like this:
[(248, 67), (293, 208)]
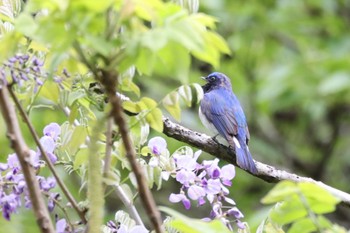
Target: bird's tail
[(243, 157)]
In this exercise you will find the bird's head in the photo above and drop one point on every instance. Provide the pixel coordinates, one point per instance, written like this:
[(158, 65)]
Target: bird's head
[(216, 80)]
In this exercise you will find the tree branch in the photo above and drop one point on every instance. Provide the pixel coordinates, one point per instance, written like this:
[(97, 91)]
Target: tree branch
[(23, 154), (265, 172), (109, 81)]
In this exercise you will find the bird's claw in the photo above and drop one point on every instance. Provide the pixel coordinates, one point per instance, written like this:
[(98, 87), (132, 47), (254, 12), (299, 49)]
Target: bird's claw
[(215, 139)]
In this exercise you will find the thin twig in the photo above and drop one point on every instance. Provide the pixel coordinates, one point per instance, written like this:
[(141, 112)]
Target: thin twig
[(47, 159), (109, 81), (58, 204), (128, 204), (265, 172), (23, 154), (119, 190)]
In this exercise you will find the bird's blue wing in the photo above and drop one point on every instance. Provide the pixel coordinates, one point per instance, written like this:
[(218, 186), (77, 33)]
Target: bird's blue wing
[(224, 111)]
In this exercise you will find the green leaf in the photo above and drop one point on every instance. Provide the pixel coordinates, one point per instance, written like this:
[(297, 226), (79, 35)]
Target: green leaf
[(131, 107), (270, 227), (139, 130), (199, 91), (206, 20), (75, 95), (9, 44), (145, 61), (149, 172), (157, 174), (10, 9), (148, 102), (186, 33), (145, 151), (186, 94), (77, 139), (99, 44), (91, 5), (123, 218), (154, 39), (337, 82), (186, 224), (219, 42), (319, 199), (74, 113), (81, 158), (168, 62), (50, 90), (25, 24), (208, 54), (307, 225), (129, 85), (113, 178), (155, 119), (172, 105), (282, 191), (288, 211)]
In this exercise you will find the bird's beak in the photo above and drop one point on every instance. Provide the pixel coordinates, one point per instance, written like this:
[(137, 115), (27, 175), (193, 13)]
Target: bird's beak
[(204, 78)]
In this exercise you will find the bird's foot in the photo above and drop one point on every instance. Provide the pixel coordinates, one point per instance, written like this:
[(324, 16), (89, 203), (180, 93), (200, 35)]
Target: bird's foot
[(215, 139)]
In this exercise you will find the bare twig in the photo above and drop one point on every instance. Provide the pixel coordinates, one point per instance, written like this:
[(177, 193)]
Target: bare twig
[(23, 154), (47, 159), (109, 81), (128, 204), (118, 189), (265, 172)]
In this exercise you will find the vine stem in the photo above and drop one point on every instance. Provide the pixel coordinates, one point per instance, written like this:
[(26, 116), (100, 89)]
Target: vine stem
[(46, 158), (109, 78), (23, 154)]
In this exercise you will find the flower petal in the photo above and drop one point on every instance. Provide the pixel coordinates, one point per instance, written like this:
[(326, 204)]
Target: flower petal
[(195, 192)]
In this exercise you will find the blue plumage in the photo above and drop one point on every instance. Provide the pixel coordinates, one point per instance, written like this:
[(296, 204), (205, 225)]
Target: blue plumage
[(221, 112)]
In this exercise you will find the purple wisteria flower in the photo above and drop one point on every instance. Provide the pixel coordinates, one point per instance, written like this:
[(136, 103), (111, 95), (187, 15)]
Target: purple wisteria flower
[(206, 182), (52, 130), (157, 146), (61, 226), (9, 204), (13, 187), (23, 68), (49, 141)]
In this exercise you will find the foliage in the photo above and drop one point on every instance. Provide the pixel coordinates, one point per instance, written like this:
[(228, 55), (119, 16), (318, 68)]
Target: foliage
[(301, 207), (54, 52)]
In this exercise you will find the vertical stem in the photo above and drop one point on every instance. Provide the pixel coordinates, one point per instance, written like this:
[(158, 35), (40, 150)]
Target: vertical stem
[(95, 189), (109, 142), (109, 81), (23, 154)]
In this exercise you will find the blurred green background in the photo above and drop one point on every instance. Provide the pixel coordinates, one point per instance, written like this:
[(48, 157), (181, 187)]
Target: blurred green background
[(290, 68)]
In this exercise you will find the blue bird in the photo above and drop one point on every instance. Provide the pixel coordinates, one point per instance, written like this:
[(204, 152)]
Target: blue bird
[(221, 112)]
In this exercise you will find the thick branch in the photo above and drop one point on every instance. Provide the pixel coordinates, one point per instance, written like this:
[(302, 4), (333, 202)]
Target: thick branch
[(106, 170), (59, 181), (265, 172), (23, 154), (109, 79)]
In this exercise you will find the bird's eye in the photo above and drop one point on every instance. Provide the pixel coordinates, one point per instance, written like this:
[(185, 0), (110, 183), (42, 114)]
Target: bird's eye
[(212, 78)]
